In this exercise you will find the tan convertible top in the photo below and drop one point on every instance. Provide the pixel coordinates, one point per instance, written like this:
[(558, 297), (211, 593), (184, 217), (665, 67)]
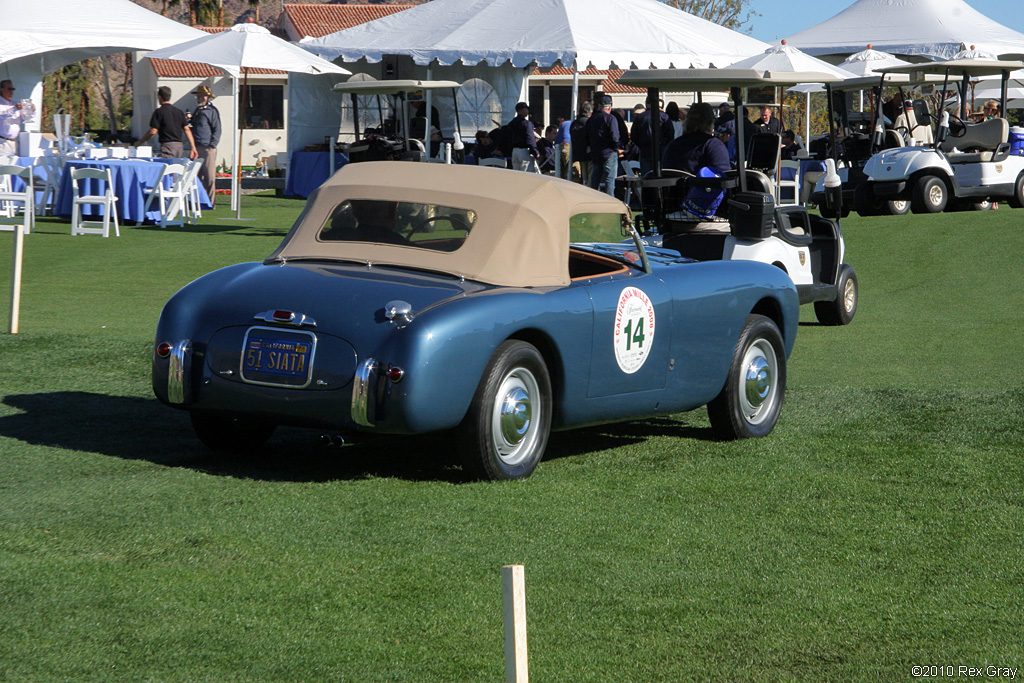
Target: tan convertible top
[(521, 236)]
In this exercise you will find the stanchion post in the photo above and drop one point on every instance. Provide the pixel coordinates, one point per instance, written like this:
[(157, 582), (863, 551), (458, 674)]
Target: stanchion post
[(19, 248), (514, 597)]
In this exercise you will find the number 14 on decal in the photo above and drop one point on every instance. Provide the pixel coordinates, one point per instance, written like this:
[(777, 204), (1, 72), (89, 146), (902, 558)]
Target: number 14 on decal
[(635, 335)]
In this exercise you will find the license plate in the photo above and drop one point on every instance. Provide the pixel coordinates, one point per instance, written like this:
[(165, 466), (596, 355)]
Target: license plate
[(278, 357)]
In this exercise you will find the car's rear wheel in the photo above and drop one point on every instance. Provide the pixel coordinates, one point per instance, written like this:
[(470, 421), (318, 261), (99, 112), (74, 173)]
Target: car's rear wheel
[(750, 403), (930, 195), (227, 434), (505, 432), (897, 207), (841, 310), (1016, 200)]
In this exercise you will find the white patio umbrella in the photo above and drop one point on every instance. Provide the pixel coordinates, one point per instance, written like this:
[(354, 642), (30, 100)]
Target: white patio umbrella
[(244, 47), (783, 58), (867, 62)]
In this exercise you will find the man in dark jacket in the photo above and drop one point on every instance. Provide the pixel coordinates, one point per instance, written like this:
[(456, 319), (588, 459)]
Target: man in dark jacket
[(206, 129), (641, 135), (524, 140), (603, 137)]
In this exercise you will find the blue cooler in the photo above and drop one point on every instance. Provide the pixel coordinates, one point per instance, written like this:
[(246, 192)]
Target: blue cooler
[(1017, 140)]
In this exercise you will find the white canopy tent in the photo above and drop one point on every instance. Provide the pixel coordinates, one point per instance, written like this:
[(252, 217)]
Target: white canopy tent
[(42, 36), (501, 41), (929, 29)]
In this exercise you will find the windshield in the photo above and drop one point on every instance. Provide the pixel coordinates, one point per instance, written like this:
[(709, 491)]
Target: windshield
[(426, 226)]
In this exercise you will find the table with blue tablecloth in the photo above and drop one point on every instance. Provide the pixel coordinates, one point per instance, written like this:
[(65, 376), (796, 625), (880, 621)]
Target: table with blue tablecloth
[(308, 171), (131, 179)]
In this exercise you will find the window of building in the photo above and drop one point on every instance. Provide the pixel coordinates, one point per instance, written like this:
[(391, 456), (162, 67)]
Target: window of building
[(264, 106)]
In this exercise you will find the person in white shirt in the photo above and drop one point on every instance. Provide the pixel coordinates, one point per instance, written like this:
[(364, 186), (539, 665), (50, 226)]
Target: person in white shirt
[(12, 114)]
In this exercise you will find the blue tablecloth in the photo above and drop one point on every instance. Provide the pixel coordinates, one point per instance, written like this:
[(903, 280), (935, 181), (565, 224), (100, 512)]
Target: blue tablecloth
[(131, 177), (308, 171)]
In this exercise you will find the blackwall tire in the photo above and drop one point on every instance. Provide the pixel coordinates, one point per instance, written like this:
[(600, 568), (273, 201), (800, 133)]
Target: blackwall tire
[(844, 307), (930, 195)]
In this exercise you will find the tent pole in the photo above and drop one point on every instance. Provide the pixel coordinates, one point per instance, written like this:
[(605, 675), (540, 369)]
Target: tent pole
[(238, 151), (429, 99), (575, 107), (741, 118), (807, 123)]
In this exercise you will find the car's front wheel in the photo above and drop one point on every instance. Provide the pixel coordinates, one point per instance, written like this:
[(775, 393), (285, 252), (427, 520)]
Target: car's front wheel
[(226, 434), (750, 403), (930, 195), (841, 310), (1017, 198), (897, 207), (506, 430)]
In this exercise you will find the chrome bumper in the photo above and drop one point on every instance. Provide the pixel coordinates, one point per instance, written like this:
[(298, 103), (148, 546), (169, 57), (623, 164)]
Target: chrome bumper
[(179, 370), (363, 400)]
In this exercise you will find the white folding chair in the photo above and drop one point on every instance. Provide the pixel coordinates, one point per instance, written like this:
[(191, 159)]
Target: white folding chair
[(789, 168), (171, 193), (193, 209), (106, 199), (47, 170), (10, 199)]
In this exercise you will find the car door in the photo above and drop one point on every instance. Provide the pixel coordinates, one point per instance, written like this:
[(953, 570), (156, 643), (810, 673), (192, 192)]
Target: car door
[(632, 334)]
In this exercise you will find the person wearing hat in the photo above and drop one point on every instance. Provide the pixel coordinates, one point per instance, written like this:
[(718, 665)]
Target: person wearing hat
[(206, 130), (603, 137), (168, 123), (524, 141)]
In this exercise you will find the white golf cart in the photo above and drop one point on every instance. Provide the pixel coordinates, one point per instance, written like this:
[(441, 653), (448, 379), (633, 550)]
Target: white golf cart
[(735, 217), (968, 163), (397, 138), (862, 134)]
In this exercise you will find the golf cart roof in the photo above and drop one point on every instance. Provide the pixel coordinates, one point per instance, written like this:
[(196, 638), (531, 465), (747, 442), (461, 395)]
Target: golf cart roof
[(865, 82), (959, 67), (687, 80), (392, 87)]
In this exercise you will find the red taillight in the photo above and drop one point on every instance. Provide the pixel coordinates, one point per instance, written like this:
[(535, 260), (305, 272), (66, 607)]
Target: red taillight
[(283, 316), (163, 349), (395, 373)]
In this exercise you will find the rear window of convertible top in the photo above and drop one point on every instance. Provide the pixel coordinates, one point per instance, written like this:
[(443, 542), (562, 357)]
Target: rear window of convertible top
[(426, 226)]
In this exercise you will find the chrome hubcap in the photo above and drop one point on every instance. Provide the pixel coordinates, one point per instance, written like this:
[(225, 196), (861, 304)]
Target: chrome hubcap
[(759, 388), (899, 206), (514, 418), (849, 295), (935, 193)]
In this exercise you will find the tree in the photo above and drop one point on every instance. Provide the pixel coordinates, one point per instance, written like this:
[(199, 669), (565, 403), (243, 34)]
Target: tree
[(729, 13)]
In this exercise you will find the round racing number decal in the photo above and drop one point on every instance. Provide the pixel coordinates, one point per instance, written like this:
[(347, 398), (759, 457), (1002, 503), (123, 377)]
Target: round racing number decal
[(634, 329)]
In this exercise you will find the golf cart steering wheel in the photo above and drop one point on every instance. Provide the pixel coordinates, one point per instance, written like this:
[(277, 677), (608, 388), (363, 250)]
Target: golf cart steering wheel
[(456, 222), (957, 127)]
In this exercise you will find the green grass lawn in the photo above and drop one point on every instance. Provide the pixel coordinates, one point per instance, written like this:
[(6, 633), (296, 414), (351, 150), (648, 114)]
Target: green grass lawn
[(881, 526)]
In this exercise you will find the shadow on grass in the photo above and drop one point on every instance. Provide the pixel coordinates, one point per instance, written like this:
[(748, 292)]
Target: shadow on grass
[(144, 429)]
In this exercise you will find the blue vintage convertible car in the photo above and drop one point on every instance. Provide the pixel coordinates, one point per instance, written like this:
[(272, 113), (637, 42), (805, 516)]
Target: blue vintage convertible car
[(412, 298)]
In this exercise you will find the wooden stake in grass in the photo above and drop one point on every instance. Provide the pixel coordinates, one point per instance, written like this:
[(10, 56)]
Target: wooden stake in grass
[(514, 597)]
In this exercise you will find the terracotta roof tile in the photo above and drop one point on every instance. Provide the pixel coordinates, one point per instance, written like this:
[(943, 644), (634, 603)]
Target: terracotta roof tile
[(172, 68), (316, 20), (608, 85)]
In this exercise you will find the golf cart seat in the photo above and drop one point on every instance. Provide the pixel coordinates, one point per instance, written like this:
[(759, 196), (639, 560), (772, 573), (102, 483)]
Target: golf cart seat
[(909, 119), (985, 141)]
